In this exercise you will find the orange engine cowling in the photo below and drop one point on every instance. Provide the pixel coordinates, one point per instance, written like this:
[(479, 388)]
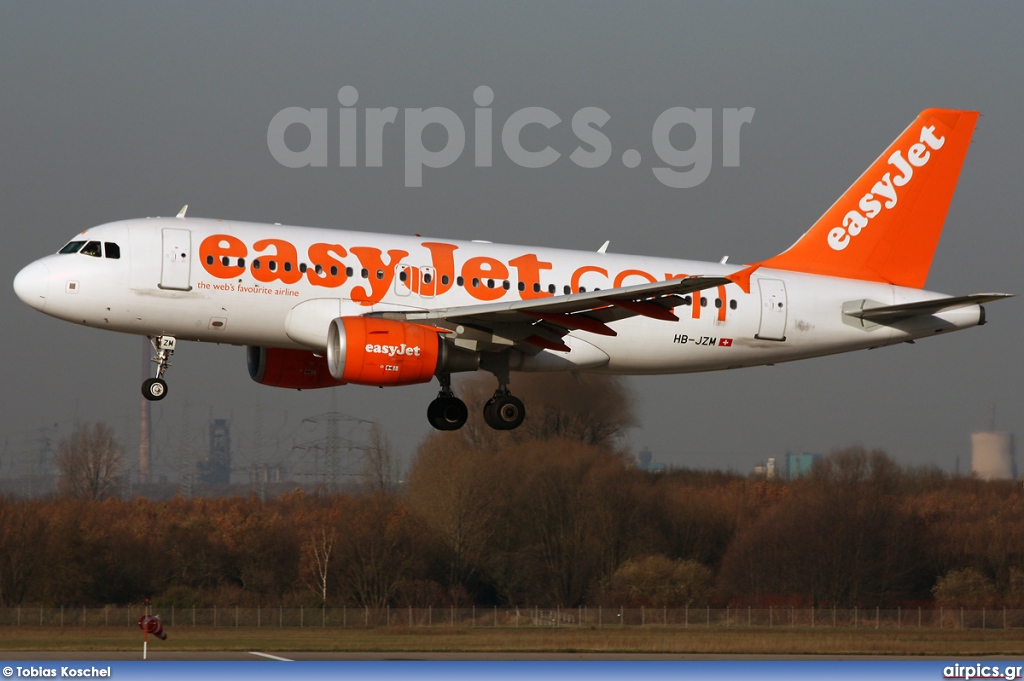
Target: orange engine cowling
[(373, 351), (281, 368)]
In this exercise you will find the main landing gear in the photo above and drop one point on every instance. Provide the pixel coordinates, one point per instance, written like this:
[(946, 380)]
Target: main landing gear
[(503, 411), (156, 388), (447, 412)]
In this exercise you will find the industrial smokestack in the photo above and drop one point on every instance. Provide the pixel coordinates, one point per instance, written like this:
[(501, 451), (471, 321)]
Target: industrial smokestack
[(992, 456)]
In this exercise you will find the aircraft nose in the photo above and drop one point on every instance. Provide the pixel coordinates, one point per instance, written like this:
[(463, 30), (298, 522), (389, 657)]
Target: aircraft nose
[(30, 285)]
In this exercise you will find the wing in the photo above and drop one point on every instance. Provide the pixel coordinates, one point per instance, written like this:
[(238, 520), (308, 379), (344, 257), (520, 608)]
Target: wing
[(541, 323), (883, 314)]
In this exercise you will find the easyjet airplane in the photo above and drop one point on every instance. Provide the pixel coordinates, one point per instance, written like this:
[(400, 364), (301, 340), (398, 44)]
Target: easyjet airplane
[(325, 307)]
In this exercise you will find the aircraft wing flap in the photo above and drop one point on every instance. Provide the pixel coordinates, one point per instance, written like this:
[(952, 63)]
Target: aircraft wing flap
[(522, 310), (539, 323), (862, 309)]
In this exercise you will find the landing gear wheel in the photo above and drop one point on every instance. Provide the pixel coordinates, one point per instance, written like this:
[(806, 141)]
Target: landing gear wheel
[(154, 389), (447, 413), (504, 412)]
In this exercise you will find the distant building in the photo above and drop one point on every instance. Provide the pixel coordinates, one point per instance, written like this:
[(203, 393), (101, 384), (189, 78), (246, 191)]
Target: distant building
[(216, 469), (992, 456), (769, 469), (800, 465), (645, 461)]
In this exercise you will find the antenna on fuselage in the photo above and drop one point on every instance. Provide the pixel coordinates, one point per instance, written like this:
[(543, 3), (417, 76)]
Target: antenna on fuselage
[(181, 213), (604, 247)]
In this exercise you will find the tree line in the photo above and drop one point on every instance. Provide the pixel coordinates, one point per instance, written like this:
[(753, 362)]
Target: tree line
[(554, 513)]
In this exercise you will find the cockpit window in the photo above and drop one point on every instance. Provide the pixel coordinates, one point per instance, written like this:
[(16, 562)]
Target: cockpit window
[(72, 247), (93, 248), (112, 250)]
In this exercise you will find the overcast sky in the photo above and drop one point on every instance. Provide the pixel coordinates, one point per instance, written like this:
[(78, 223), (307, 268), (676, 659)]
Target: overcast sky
[(121, 110)]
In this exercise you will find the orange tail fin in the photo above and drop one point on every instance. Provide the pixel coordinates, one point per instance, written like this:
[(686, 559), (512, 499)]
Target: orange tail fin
[(887, 225)]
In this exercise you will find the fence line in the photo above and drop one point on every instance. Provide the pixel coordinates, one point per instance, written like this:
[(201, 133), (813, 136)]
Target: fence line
[(535, 616)]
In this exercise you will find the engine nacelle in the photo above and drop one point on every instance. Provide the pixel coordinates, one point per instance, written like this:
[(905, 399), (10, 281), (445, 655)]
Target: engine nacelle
[(281, 368), (374, 351)]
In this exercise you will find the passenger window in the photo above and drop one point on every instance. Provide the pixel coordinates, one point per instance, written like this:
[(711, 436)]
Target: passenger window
[(490, 283), (348, 271), (272, 265), (703, 302), (364, 273), (113, 251), (505, 285), (225, 260), (522, 286), (72, 247), (334, 270), (93, 248), (536, 288), (241, 262), (209, 260), (302, 267), (320, 270), (287, 267), (427, 278), (732, 304), (718, 303), (445, 279), (460, 281), (567, 290), (551, 288), (380, 274), (402, 276), (256, 264)]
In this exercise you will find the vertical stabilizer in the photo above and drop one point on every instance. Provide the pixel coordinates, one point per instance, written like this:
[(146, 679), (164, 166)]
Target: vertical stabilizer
[(887, 225)]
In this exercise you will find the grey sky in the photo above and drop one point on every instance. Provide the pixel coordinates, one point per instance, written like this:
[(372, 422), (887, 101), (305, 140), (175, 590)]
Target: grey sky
[(119, 110)]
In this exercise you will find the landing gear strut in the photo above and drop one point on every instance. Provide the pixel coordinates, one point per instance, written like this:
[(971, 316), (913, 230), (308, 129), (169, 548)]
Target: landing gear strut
[(156, 388), (447, 412), (504, 411)]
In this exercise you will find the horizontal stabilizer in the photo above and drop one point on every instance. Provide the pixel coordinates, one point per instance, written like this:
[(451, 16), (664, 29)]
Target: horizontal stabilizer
[(881, 314)]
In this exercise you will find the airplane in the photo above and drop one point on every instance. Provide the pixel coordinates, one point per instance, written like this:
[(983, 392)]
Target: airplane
[(319, 308)]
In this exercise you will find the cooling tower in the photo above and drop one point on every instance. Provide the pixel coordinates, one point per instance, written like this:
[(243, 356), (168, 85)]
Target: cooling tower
[(992, 456)]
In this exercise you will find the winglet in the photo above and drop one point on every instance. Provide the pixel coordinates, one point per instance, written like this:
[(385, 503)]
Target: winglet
[(742, 278), (181, 213)]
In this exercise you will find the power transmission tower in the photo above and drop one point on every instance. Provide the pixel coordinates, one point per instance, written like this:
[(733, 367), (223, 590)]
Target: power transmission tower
[(344, 435)]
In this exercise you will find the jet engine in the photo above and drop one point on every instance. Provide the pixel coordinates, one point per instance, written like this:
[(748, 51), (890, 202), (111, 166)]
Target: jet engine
[(281, 368), (374, 351)]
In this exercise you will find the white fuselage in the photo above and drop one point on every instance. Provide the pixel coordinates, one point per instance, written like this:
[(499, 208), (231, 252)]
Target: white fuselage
[(197, 279)]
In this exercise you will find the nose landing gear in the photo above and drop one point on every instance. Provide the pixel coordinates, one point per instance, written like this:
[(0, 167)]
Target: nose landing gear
[(156, 388)]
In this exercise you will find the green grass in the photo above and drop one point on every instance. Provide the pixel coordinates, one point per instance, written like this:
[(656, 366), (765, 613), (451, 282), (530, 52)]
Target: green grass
[(975, 642)]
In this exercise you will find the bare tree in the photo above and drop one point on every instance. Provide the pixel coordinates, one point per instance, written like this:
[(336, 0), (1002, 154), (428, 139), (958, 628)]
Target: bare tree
[(591, 408), (89, 463), (449, 486), (319, 547), (21, 526), (380, 466)]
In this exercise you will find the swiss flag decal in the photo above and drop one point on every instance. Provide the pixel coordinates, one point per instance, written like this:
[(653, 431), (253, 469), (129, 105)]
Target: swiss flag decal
[(725, 342)]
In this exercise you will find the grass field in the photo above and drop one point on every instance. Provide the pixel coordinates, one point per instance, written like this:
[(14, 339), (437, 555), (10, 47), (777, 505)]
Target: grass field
[(649, 640)]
